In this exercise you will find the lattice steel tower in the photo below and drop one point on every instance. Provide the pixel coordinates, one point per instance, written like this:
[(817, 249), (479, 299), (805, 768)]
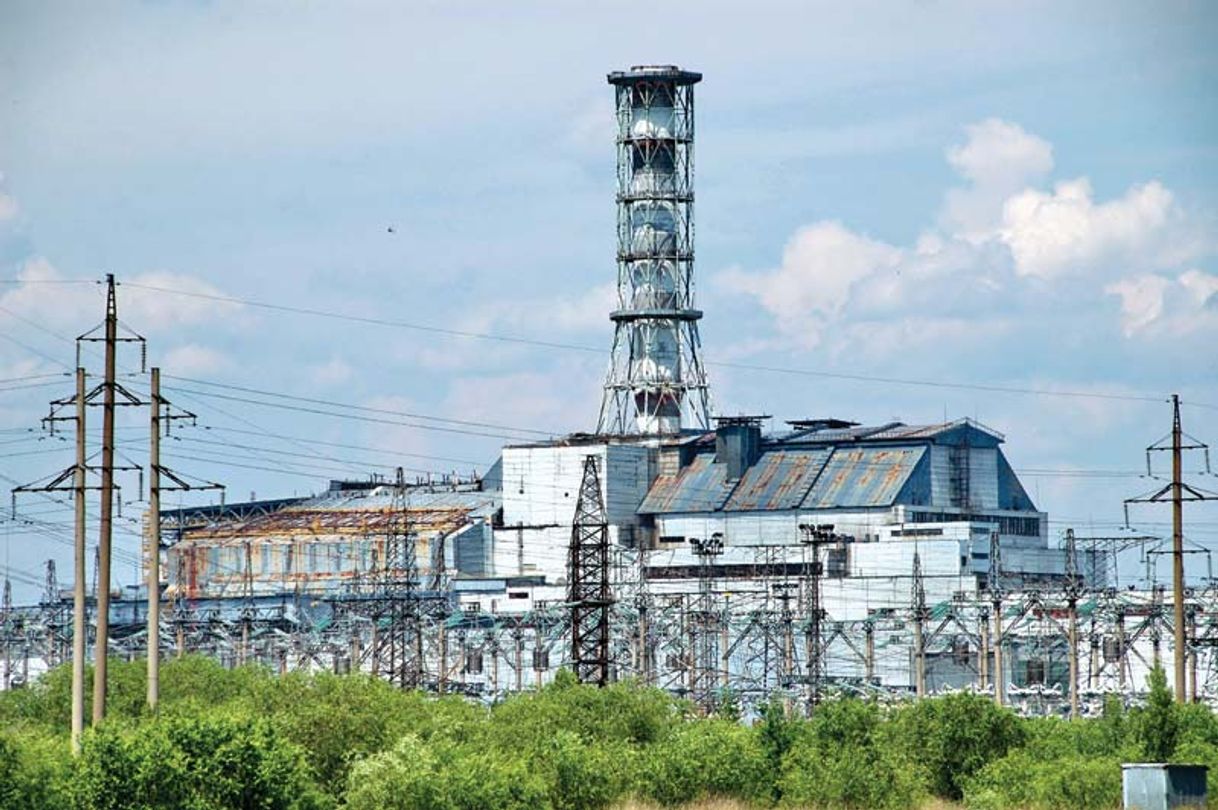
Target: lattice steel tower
[(656, 383)]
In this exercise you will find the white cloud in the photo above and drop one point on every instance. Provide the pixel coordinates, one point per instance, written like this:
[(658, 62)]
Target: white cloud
[(820, 265), (46, 296), (192, 358), (998, 158), (1152, 304), (1141, 301), (1066, 232), (334, 371), (1003, 251), (1000, 153), (155, 310)]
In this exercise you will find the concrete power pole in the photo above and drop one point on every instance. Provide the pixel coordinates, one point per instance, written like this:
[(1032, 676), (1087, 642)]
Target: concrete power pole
[(154, 542), (79, 631), (920, 614), (1073, 591), (78, 487), (106, 527), (1177, 550), (1176, 492), (995, 586)]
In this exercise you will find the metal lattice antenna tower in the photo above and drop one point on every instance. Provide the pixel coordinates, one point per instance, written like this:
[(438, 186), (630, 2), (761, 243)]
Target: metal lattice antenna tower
[(656, 383), (588, 578)]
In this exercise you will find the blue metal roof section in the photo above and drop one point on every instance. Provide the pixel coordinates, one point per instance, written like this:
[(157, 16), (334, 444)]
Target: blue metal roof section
[(918, 490), (863, 476), (700, 487), (779, 480), (1011, 494)]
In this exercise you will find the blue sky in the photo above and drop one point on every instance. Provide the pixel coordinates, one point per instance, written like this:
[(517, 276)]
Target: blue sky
[(1009, 195)]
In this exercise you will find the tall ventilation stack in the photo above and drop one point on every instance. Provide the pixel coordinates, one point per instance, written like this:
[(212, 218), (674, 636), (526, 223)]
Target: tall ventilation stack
[(656, 383)]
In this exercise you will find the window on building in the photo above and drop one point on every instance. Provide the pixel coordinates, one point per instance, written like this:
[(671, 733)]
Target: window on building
[(837, 562)]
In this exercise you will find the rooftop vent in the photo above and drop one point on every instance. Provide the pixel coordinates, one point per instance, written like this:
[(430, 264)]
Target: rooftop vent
[(738, 443)]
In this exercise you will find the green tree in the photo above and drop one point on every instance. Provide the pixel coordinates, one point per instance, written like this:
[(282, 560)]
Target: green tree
[(841, 759), (35, 770), (702, 758), (954, 737), (211, 761), (1158, 723)]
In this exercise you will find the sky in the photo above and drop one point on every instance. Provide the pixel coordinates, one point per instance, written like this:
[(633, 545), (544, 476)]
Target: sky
[(905, 210)]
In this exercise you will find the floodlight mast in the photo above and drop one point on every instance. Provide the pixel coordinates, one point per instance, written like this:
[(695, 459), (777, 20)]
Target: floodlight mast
[(656, 383)]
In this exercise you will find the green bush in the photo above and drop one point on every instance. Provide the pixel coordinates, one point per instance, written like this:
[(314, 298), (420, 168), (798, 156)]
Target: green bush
[(842, 759), (201, 762), (706, 758), (1027, 780), (35, 771), (415, 776), (954, 737)]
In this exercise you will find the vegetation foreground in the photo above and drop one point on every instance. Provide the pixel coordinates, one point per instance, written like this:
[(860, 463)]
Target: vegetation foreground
[(247, 738)]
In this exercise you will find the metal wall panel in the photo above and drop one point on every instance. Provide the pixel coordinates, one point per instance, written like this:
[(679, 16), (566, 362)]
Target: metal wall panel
[(983, 478)]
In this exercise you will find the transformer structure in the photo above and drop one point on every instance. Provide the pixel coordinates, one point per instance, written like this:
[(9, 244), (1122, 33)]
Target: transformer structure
[(656, 382)]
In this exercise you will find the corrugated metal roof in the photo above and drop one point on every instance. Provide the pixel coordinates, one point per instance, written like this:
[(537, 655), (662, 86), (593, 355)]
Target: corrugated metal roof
[(700, 487), (779, 480), (893, 431), (863, 476)]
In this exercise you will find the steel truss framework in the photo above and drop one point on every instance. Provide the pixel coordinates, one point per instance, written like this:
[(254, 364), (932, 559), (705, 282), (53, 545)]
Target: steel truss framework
[(708, 640), (656, 381)]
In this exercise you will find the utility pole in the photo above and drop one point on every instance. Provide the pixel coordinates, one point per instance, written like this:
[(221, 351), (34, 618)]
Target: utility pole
[(162, 416), (78, 487), (1177, 551), (106, 528), (154, 543), (995, 587), (1176, 492), (920, 615), (813, 537), (79, 630), (1073, 591)]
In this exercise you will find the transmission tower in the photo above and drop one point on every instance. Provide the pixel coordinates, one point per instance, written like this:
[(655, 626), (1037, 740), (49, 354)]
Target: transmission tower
[(397, 651), (588, 581)]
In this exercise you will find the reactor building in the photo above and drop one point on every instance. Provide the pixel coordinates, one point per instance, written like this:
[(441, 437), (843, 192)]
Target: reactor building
[(881, 505)]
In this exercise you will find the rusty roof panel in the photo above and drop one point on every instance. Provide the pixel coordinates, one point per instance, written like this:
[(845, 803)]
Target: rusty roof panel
[(863, 476), (779, 480), (700, 487)]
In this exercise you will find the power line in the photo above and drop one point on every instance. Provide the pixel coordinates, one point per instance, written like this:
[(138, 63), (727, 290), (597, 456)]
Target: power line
[(368, 409), (401, 324)]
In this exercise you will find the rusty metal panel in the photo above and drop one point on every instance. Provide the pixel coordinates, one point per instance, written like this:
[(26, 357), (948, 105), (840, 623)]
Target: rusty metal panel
[(863, 476), (779, 480), (700, 487)]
